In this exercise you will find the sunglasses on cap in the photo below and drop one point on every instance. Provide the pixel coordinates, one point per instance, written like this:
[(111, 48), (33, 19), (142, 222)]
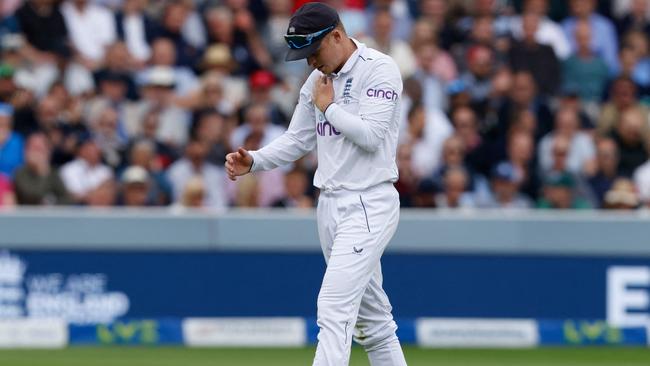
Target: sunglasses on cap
[(298, 41)]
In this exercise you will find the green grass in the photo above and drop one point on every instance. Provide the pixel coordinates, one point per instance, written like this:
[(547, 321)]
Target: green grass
[(140, 356)]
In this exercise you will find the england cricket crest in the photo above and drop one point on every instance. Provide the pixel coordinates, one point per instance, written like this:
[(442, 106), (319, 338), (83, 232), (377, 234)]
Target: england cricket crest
[(346, 91)]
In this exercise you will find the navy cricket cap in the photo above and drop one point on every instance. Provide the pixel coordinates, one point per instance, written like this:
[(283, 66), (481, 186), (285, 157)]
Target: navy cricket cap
[(307, 28)]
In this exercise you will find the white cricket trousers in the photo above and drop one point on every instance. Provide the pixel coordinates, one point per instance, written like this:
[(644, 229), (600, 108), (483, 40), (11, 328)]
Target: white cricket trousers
[(354, 228)]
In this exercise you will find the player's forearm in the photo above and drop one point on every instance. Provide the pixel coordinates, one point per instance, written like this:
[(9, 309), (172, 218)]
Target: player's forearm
[(282, 151), (360, 131)]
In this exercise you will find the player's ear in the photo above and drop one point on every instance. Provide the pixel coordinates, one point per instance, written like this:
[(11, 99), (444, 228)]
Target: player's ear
[(337, 35)]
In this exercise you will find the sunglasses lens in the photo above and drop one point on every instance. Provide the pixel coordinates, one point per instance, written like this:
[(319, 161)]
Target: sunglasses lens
[(296, 42)]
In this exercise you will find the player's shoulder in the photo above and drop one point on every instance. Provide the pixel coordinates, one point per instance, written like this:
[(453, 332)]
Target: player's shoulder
[(374, 57), (377, 61), (308, 85)]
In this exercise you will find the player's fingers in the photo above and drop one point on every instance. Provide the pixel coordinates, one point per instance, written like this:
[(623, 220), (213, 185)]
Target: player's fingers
[(242, 152)]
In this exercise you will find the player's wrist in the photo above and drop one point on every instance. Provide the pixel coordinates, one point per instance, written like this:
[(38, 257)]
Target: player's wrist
[(250, 168), (327, 106)]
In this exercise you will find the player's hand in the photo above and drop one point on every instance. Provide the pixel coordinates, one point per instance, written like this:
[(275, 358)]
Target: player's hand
[(238, 163), (323, 93)]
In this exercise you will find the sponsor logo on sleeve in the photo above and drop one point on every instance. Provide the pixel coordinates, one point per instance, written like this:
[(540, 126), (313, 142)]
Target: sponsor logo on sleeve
[(325, 128), (387, 94)]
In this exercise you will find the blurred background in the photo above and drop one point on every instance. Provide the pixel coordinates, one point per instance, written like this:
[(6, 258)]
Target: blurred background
[(523, 159)]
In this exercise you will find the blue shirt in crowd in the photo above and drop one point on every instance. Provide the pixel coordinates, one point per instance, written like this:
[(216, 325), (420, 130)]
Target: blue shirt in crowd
[(11, 154), (603, 39)]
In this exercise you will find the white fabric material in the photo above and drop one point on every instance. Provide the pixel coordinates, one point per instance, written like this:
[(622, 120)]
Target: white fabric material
[(642, 181), (91, 30), (358, 207), (354, 229), (357, 139), (135, 37), (80, 178)]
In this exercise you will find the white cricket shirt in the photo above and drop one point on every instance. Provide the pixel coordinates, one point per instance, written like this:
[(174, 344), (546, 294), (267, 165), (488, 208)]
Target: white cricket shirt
[(357, 137)]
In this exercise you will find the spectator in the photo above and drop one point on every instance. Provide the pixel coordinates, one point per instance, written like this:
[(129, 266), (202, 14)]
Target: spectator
[(607, 160), (8, 25), (482, 34), (158, 95), (143, 154), (61, 134), (211, 128), (164, 152), (117, 69), (487, 9), (237, 31), (7, 84), (505, 182), (136, 29), (257, 121), (548, 33), (454, 194), (622, 196), (585, 72), (581, 149), (478, 78), (558, 193), (44, 27), (536, 58), (631, 137), (407, 183), (636, 18), (164, 54), (453, 155), (399, 13), (37, 183), (604, 41), (560, 154), (87, 178), (276, 26), (637, 41), (524, 97), (134, 188), (194, 163), (433, 91), (209, 96), (623, 96), (384, 41), (466, 127), (104, 195), (92, 29), (521, 154), (426, 133), (295, 185), (7, 197), (261, 85), (11, 143), (110, 137), (174, 16), (438, 13), (193, 195), (218, 65)]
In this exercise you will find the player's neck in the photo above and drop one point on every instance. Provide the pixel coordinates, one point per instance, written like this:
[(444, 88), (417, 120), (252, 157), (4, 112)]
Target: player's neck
[(350, 47)]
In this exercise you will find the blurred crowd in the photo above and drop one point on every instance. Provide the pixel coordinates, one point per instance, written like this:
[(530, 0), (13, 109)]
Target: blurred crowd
[(506, 103)]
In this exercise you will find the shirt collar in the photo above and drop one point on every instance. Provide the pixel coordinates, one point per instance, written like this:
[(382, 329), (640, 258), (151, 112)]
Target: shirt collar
[(352, 60)]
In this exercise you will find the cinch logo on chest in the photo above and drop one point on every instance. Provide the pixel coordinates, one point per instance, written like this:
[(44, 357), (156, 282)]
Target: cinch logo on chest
[(326, 129), (382, 94)]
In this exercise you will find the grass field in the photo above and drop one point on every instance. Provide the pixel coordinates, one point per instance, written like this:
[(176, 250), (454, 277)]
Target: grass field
[(137, 356)]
